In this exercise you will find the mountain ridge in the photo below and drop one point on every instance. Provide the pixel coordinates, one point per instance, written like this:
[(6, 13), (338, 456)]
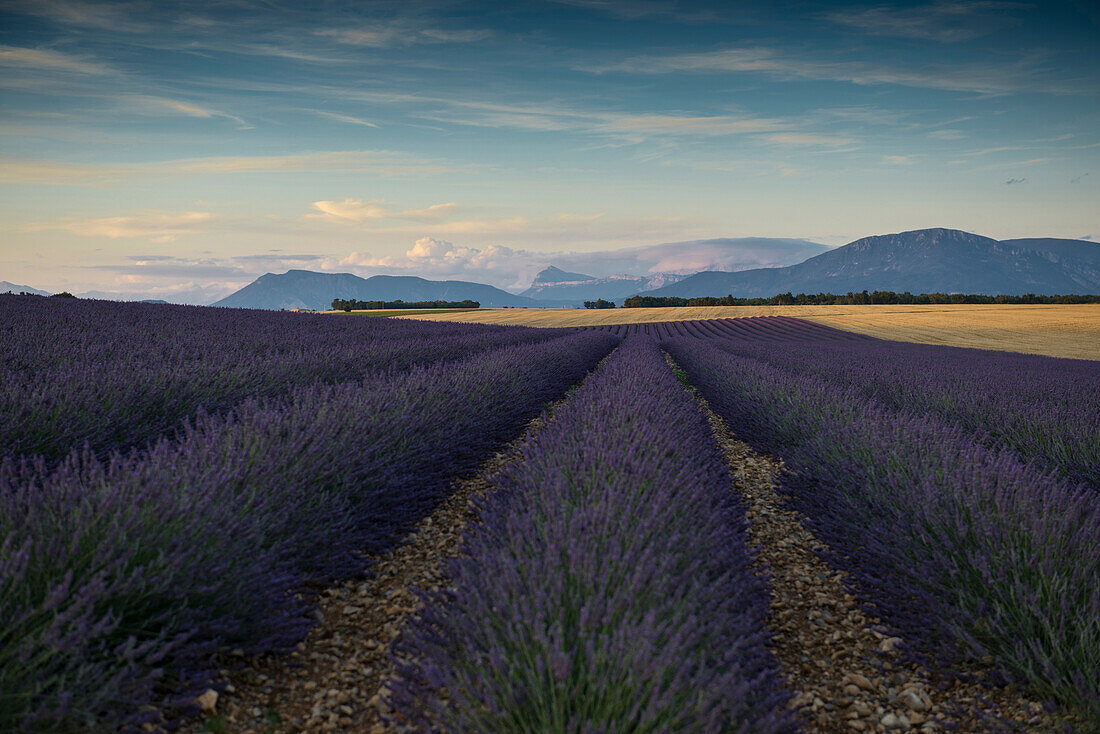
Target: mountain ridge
[(918, 261), (6, 287), (311, 290)]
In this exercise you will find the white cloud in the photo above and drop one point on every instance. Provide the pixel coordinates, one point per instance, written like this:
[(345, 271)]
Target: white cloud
[(349, 210), (438, 259), (357, 211), (898, 160), (515, 268)]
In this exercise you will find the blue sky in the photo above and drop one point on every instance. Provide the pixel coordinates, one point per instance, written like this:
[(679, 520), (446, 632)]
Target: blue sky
[(181, 149)]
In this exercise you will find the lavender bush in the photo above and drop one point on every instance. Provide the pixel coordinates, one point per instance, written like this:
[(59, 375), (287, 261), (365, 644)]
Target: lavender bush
[(1046, 409), (120, 576), (769, 328), (609, 588), (962, 547), (118, 375)]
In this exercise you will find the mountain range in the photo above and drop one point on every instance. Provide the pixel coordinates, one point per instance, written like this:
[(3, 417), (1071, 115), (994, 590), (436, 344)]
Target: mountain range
[(920, 261), (6, 287), (307, 289), (692, 256)]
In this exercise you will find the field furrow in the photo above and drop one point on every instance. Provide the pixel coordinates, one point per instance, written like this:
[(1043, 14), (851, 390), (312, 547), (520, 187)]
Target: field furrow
[(846, 671), (607, 588), (973, 558), (119, 579)]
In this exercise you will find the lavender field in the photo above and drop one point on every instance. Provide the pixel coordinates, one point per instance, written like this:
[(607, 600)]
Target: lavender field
[(192, 499)]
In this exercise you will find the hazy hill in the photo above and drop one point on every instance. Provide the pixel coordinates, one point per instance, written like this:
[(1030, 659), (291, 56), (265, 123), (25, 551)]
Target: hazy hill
[(685, 258), (551, 287), (307, 289), (555, 275), (920, 261), (6, 287)]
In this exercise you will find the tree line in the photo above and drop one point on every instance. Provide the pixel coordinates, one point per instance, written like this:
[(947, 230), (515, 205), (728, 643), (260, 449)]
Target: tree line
[(853, 299), (340, 304)]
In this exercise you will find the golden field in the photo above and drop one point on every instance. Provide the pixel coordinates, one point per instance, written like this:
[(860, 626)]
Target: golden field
[(1058, 331)]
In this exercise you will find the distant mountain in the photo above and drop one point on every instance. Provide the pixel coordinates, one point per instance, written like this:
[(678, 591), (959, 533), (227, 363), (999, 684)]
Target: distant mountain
[(552, 288), (307, 289), (553, 275), (920, 261), (6, 287), (685, 258)]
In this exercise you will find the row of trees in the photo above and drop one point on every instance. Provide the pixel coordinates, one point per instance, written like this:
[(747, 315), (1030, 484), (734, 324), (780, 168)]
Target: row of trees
[(599, 303), (340, 304), (852, 299)]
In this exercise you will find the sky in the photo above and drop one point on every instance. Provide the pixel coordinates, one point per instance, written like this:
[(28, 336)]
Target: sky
[(178, 150)]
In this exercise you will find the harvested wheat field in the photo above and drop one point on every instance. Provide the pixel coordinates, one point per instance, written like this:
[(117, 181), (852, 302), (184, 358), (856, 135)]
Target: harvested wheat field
[(1058, 331)]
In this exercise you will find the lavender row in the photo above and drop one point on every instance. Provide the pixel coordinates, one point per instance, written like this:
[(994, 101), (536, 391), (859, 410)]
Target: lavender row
[(119, 577), (1044, 408), (609, 587), (768, 328), (117, 376), (963, 548)]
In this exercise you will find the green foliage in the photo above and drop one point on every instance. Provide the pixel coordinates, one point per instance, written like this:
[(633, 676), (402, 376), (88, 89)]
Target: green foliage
[(599, 303), (852, 299)]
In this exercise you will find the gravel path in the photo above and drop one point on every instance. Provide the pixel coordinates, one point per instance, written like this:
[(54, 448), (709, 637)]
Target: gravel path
[(335, 680), (845, 670), (332, 681)]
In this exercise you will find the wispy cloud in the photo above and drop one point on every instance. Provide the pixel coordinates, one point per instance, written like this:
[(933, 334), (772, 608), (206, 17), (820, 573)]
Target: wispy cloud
[(107, 16), (47, 59), (974, 78), (1014, 164), (947, 134), (189, 109), (350, 119), (402, 33), (945, 21), (357, 211), (808, 139), (156, 226), (898, 160), (643, 9), (380, 162), (622, 126)]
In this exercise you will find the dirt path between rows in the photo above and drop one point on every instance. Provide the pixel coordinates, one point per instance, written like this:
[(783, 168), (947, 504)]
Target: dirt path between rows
[(846, 672), (332, 682)]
